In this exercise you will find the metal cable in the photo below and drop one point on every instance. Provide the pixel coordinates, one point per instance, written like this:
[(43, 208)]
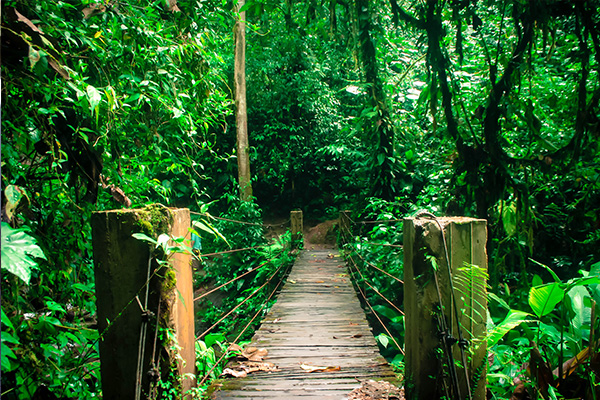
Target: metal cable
[(376, 291), (399, 246), (376, 267), (205, 377), (236, 278), (381, 221), (377, 316), (232, 251), (142, 342), (239, 305), (241, 222)]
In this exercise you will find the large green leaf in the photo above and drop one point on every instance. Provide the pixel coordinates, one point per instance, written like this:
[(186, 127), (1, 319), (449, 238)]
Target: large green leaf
[(543, 299), (18, 248), (580, 314), (512, 320)]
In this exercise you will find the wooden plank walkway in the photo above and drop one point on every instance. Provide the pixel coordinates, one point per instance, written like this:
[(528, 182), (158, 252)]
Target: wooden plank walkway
[(316, 321)]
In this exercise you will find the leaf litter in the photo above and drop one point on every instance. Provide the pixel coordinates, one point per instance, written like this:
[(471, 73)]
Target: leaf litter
[(250, 360), (376, 390)]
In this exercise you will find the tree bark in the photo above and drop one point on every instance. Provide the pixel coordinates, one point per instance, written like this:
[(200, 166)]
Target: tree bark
[(383, 135), (241, 115)]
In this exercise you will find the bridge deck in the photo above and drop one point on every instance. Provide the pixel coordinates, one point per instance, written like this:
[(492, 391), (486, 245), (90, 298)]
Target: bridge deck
[(316, 321)]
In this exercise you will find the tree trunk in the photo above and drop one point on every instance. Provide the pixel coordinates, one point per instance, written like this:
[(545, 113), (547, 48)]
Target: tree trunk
[(241, 115), (383, 135)]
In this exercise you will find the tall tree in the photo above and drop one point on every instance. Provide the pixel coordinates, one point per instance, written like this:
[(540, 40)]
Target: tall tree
[(241, 115), (382, 130)]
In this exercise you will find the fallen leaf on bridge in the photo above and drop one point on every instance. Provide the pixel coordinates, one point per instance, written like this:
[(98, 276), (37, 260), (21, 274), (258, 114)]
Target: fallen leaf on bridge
[(249, 353), (254, 354), (371, 390), (358, 335), (313, 368), (247, 367)]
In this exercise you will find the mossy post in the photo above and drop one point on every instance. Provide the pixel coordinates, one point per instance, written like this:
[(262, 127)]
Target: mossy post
[(466, 246), (126, 320), (296, 228)]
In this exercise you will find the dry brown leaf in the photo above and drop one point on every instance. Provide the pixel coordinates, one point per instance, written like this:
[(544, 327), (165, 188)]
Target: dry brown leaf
[(234, 347), (58, 68), (27, 22), (571, 365), (234, 373), (242, 369), (313, 368), (173, 6), (371, 390), (254, 354), (93, 9)]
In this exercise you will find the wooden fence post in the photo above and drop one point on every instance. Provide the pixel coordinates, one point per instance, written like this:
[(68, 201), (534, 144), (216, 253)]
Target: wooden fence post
[(466, 246), (123, 267), (296, 228)]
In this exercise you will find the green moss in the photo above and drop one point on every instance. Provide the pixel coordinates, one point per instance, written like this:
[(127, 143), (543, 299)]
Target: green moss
[(154, 219), (169, 280)]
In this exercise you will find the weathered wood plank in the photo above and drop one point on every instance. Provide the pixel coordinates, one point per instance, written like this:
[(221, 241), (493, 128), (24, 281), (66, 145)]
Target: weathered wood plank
[(318, 321)]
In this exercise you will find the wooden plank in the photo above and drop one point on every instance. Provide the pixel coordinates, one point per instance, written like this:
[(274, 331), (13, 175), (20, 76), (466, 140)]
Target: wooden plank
[(317, 321)]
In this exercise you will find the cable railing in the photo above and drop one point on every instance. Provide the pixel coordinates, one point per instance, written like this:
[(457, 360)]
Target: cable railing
[(353, 245), (275, 279)]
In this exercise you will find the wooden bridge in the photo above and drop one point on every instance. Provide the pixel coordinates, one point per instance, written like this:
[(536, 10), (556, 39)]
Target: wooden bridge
[(316, 325), (316, 340)]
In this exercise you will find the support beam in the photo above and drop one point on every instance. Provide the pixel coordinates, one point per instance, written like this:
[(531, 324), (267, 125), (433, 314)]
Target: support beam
[(465, 240), (296, 228), (123, 267)]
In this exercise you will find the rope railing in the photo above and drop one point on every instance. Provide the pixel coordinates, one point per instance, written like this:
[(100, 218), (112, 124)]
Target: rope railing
[(210, 216), (379, 221), (239, 304), (371, 265), (397, 246), (225, 353), (377, 315), (234, 279), (395, 307), (232, 251)]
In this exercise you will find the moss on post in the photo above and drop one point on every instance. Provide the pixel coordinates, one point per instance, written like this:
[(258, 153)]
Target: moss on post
[(127, 272)]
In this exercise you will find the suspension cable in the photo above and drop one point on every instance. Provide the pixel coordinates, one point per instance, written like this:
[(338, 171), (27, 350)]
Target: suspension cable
[(377, 316), (236, 278), (379, 221), (240, 304), (376, 291), (232, 251), (143, 328), (399, 246), (240, 222), (205, 377), (376, 267), (225, 219)]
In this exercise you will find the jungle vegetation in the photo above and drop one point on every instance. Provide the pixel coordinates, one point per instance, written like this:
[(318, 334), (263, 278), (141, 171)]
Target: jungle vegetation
[(481, 108)]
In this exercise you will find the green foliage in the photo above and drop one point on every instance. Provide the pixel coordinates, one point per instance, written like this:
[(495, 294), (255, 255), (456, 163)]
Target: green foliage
[(18, 250), (493, 115)]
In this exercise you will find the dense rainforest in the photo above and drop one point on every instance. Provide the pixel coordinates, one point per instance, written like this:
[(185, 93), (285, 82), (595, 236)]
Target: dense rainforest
[(480, 108)]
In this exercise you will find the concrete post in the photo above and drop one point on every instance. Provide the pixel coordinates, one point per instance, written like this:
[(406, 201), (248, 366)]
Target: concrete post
[(121, 270), (296, 228), (466, 243)]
